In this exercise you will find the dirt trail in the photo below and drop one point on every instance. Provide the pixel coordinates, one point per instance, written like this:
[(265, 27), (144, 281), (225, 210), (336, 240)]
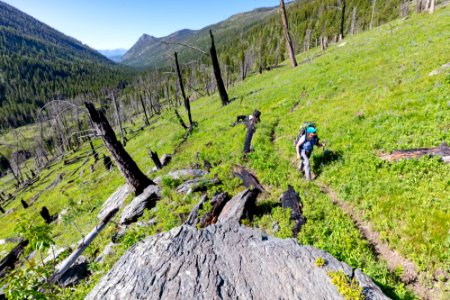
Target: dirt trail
[(411, 274)]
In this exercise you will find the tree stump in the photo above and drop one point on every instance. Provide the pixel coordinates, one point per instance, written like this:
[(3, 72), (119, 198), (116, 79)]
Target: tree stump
[(24, 204), (290, 199)]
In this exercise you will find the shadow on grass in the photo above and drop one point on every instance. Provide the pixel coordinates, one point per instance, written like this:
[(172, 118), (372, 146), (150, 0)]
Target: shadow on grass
[(390, 291), (265, 207), (321, 160)]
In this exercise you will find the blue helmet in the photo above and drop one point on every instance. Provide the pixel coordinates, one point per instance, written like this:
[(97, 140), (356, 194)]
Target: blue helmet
[(310, 130)]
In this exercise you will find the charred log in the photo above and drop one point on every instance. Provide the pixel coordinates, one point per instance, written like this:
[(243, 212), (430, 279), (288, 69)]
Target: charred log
[(155, 158), (12, 258), (290, 199), (443, 151), (249, 180), (24, 204)]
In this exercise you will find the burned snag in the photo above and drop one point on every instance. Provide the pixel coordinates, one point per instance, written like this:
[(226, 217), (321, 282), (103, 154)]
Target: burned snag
[(249, 180), (127, 166), (155, 158), (187, 105), (287, 35), (291, 199), (216, 67)]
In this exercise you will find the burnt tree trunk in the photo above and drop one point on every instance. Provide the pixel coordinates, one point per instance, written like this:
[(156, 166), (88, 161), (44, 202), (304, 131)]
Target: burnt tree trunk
[(94, 153), (287, 35), (215, 63), (248, 139), (133, 175), (155, 158), (24, 204), (187, 105), (249, 180), (116, 106), (341, 33), (11, 259), (145, 110), (290, 199)]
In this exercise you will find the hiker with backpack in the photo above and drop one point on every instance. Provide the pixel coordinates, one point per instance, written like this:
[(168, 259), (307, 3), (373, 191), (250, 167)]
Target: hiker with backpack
[(304, 145), (250, 123)]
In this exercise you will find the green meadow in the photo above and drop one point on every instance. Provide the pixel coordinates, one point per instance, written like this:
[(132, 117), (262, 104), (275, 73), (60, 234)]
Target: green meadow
[(370, 94)]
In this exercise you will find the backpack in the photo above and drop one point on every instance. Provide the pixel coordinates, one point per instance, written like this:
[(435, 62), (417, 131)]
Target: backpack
[(303, 131)]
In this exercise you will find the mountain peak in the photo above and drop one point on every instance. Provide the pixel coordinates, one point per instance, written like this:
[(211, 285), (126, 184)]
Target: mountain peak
[(147, 38)]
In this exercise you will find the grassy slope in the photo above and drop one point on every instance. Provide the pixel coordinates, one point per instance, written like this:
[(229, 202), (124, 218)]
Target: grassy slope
[(372, 94)]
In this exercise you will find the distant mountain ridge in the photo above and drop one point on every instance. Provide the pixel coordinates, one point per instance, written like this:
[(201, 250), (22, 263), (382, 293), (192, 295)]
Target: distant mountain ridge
[(150, 51), (113, 54), (39, 63)]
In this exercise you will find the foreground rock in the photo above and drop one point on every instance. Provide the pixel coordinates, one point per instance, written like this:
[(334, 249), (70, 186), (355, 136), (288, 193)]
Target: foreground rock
[(224, 261), (147, 199)]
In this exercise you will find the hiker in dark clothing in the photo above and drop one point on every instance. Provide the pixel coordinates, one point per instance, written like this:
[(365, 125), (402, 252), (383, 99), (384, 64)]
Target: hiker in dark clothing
[(304, 148), (249, 122)]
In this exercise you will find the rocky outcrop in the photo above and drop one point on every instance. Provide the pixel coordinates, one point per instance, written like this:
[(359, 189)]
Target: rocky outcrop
[(147, 199), (238, 207), (224, 261)]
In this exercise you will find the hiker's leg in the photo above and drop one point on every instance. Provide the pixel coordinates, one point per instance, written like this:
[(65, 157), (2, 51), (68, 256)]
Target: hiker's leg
[(306, 165)]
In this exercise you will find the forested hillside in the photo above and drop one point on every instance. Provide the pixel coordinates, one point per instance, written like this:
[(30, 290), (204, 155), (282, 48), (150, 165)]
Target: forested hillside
[(38, 63), (254, 40)]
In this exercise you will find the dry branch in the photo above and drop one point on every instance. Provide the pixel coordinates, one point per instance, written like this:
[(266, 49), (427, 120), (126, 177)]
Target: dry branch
[(443, 150), (83, 244)]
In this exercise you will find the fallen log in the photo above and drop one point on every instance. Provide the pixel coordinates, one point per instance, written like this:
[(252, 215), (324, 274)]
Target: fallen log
[(83, 244), (249, 180), (10, 260), (290, 199), (442, 150)]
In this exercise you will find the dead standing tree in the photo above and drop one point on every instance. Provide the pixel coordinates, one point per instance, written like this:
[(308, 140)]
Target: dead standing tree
[(341, 33), (215, 62), (216, 68), (129, 169), (187, 104), (116, 107), (287, 35)]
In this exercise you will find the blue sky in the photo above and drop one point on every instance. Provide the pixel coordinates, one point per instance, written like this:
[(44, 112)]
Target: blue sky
[(109, 24)]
